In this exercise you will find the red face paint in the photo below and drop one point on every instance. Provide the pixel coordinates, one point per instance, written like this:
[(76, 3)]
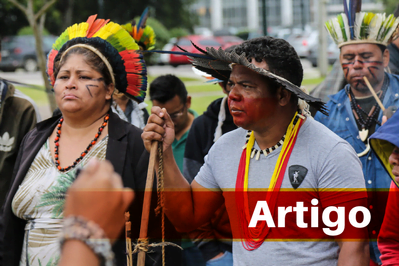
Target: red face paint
[(251, 101)]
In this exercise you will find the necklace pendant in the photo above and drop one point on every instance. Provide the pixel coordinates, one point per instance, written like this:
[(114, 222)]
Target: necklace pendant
[(363, 134)]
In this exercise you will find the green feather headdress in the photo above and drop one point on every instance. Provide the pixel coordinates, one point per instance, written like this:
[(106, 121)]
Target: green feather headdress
[(367, 28)]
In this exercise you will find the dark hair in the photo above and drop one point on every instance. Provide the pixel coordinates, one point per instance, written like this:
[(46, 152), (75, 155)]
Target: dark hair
[(165, 87), (90, 58), (279, 55), (382, 47)]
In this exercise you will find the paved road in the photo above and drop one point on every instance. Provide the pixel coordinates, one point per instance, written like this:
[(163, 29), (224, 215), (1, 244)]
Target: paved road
[(183, 71)]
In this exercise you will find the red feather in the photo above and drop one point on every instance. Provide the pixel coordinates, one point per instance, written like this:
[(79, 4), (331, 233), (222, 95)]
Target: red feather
[(50, 65), (95, 25)]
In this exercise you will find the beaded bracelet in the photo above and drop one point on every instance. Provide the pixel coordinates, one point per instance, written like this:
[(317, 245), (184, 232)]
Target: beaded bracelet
[(76, 227)]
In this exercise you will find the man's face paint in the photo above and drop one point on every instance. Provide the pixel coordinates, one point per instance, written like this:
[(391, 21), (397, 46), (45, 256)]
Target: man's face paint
[(362, 60), (251, 100)]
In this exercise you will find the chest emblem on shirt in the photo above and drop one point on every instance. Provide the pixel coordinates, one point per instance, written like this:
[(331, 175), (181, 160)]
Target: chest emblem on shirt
[(297, 174), (6, 142)]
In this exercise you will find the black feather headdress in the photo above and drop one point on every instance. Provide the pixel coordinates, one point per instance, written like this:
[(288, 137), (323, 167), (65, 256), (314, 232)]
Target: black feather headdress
[(217, 63)]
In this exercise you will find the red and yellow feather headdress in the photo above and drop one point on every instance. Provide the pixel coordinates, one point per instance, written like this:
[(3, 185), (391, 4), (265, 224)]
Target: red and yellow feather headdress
[(114, 45)]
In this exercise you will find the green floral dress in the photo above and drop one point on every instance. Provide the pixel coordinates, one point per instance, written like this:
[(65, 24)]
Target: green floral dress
[(40, 200)]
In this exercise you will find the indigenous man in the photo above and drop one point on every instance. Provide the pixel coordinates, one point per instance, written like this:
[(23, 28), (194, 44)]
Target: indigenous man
[(354, 112), (264, 91), (385, 143)]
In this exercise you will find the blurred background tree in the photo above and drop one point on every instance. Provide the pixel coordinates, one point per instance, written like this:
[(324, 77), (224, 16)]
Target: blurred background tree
[(390, 5)]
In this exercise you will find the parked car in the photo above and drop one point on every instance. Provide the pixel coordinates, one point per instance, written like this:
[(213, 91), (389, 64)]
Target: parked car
[(20, 52), (185, 43), (227, 41), (303, 41), (332, 53)]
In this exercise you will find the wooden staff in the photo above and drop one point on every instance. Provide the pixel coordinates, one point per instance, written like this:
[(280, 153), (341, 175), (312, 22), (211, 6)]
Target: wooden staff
[(147, 202), (128, 228), (374, 94)]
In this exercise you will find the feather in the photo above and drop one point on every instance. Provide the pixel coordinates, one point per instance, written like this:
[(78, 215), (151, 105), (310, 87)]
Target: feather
[(352, 9), (64, 37), (200, 73), (337, 29), (348, 14), (358, 5), (381, 33), (346, 26), (374, 26), (143, 19), (358, 24), (343, 27), (184, 50), (180, 53), (393, 26), (198, 48), (143, 34), (330, 30)]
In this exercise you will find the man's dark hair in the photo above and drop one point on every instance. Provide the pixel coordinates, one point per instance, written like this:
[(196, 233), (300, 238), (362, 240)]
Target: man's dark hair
[(279, 55), (166, 87)]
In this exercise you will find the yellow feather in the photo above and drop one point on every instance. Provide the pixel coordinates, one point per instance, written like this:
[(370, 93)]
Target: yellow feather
[(83, 29), (71, 31)]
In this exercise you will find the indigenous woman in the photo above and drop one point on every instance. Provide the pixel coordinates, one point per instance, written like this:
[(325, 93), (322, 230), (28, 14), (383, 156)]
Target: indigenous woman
[(87, 63)]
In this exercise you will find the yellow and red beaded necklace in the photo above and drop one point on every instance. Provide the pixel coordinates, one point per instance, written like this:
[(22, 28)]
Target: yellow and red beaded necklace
[(252, 238)]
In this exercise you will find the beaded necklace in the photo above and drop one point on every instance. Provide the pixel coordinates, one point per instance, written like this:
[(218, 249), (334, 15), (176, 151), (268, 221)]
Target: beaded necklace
[(83, 154), (252, 238), (266, 151), (372, 116)]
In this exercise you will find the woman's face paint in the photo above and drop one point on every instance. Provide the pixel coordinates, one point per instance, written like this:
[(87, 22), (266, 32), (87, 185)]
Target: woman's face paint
[(362, 60)]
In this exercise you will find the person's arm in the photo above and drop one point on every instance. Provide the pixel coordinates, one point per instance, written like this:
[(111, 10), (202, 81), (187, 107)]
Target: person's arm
[(388, 239), (187, 206), (341, 184), (76, 253), (353, 253)]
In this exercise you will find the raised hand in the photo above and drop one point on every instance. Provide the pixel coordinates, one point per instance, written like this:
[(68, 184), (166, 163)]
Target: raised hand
[(159, 127)]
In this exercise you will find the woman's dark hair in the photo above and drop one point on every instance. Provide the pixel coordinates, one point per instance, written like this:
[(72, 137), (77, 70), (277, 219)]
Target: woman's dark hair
[(90, 58)]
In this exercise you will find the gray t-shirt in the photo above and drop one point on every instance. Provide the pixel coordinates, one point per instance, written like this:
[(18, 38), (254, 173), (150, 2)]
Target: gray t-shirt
[(330, 162)]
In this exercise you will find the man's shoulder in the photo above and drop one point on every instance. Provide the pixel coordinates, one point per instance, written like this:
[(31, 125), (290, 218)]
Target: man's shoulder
[(231, 138), (320, 135)]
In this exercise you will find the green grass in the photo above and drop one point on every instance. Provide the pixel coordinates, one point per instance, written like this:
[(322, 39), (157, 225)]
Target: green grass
[(184, 79), (314, 81), (39, 96)]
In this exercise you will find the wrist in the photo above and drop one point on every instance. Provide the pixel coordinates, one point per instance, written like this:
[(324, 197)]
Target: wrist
[(89, 233)]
